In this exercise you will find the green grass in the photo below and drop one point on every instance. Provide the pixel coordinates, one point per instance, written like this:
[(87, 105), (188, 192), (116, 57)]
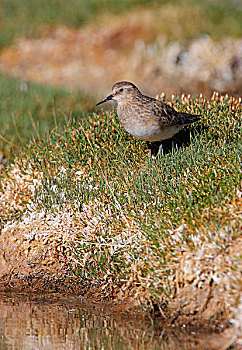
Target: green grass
[(27, 17), (181, 184), (28, 108), (206, 169), (138, 201), (126, 208)]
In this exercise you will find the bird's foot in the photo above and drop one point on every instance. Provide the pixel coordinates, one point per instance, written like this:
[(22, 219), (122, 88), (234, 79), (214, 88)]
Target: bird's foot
[(155, 149)]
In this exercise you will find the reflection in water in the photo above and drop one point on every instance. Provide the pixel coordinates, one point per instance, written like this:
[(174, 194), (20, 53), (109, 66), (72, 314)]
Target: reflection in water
[(69, 324)]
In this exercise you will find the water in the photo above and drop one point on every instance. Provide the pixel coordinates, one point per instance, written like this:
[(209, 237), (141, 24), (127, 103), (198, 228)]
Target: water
[(58, 323)]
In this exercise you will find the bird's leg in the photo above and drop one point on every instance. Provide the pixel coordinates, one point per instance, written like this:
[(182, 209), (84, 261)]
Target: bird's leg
[(160, 150), (150, 153), (149, 145), (154, 149)]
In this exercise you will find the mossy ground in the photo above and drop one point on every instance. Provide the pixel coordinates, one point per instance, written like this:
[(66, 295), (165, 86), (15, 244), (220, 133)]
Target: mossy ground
[(146, 228)]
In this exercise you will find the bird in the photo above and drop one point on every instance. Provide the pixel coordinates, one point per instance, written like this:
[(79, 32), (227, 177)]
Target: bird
[(147, 118)]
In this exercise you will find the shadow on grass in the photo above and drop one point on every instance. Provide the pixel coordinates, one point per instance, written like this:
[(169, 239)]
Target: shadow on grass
[(182, 139)]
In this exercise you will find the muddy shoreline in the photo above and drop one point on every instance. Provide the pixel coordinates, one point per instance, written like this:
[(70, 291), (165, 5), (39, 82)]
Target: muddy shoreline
[(39, 282)]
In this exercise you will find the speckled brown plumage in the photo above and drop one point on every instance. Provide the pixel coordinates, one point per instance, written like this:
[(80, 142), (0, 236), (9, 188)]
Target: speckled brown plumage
[(145, 117)]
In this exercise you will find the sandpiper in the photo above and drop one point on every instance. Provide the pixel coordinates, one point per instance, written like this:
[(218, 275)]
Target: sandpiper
[(145, 117)]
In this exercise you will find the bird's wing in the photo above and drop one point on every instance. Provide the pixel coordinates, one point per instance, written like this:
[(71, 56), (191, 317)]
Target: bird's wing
[(167, 115)]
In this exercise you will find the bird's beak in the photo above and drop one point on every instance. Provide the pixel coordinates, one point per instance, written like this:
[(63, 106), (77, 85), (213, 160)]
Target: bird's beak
[(110, 97)]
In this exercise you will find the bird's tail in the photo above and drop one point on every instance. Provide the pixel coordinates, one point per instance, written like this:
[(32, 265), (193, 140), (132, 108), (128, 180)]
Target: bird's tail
[(190, 118)]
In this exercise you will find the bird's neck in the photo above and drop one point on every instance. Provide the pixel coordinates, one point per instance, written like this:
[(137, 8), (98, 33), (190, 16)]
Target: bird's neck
[(128, 104), (126, 110), (125, 106)]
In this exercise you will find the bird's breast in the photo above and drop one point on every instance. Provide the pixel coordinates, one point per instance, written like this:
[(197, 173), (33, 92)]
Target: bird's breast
[(144, 127), (150, 131), (142, 130)]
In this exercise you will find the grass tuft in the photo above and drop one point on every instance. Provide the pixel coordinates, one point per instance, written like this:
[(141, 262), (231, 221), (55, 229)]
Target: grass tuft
[(134, 217)]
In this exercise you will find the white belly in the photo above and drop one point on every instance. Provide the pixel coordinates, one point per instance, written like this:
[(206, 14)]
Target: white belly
[(151, 132)]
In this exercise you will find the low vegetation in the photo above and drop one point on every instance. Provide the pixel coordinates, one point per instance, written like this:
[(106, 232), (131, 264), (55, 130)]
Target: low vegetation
[(28, 109), (135, 220)]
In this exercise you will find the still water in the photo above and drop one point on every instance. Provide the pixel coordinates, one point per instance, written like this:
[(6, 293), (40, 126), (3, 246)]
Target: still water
[(58, 323)]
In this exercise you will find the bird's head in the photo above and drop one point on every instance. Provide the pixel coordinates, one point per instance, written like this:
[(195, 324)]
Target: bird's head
[(121, 91)]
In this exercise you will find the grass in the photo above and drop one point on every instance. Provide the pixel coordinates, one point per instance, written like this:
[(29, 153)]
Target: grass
[(107, 154), (135, 205), (28, 17), (28, 109)]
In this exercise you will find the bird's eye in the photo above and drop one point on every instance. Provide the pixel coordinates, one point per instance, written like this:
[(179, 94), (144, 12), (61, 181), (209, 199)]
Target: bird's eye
[(121, 89)]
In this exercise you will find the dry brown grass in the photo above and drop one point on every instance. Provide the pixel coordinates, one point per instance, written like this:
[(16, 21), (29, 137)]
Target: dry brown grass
[(131, 47)]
